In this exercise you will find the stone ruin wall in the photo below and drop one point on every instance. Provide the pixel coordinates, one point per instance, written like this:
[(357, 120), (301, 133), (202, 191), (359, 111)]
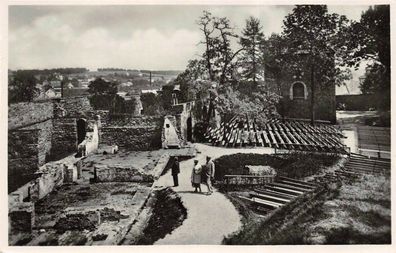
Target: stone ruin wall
[(325, 103), (181, 112), (133, 133), (28, 113), (43, 131)]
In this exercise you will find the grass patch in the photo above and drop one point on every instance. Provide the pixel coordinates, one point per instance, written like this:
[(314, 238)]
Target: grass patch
[(349, 235), (370, 218)]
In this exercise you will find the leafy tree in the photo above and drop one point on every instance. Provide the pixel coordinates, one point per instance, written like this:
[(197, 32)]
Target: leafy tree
[(22, 87), (252, 58), (195, 71), (259, 105), (101, 87), (151, 104), (312, 39), (369, 40), (371, 83)]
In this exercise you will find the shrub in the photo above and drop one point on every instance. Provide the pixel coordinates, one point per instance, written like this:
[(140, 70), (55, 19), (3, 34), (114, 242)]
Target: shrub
[(296, 165)]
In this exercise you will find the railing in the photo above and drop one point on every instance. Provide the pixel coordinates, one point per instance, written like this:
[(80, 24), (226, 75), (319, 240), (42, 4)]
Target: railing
[(247, 180)]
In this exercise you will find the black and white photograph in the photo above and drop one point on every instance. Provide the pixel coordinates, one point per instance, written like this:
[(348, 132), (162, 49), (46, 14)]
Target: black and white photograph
[(197, 124)]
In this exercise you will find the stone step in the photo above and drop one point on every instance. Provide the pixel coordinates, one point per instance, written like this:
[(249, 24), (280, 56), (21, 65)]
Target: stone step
[(270, 198)]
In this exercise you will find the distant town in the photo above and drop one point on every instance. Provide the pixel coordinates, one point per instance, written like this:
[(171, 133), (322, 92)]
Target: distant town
[(71, 82)]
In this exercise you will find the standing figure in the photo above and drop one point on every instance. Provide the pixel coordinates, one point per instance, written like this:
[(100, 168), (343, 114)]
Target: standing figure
[(196, 176), (175, 172), (210, 172)]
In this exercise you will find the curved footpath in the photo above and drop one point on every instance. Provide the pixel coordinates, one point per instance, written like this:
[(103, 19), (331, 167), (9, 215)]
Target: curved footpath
[(209, 217)]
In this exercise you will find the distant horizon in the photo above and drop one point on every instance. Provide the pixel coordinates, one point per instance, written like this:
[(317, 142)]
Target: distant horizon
[(96, 69)]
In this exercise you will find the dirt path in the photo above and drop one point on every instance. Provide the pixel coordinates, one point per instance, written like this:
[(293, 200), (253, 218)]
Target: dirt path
[(209, 217)]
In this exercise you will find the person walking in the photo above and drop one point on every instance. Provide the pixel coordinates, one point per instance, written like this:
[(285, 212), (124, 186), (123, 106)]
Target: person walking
[(175, 172), (210, 172), (196, 176)]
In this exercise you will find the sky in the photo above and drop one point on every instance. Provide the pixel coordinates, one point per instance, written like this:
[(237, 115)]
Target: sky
[(136, 37)]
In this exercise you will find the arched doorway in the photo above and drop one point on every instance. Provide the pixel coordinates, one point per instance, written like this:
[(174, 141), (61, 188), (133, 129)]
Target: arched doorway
[(189, 129), (81, 130)]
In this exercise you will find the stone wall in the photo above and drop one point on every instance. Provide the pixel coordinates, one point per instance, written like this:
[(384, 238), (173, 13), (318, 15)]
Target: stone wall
[(28, 113), (325, 106), (64, 138), (182, 112), (49, 176), (118, 173), (75, 107), (45, 131), (21, 217), (23, 156), (44, 139), (133, 133)]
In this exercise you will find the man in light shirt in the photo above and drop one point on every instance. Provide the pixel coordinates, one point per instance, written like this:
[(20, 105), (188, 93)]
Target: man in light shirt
[(210, 172)]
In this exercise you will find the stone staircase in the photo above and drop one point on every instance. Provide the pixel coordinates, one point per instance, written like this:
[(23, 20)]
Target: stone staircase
[(364, 165)]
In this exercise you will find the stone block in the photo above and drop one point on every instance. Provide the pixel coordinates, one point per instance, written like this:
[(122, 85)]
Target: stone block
[(21, 217), (15, 198), (70, 173), (106, 173)]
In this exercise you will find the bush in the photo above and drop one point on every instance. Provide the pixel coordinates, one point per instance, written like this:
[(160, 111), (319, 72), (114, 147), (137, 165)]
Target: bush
[(199, 131), (296, 165), (348, 235), (114, 103)]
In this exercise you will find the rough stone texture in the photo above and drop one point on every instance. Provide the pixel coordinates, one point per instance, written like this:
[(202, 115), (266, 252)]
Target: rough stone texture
[(75, 107), (123, 173), (21, 217), (23, 157), (28, 113), (64, 137), (15, 198), (181, 113), (50, 176), (161, 165), (44, 131), (44, 143), (70, 174), (260, 170), (133, 133), (325, 104), (107, 173), (78, 221)]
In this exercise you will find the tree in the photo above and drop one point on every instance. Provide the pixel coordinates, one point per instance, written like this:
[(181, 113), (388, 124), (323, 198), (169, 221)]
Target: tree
[(369, 40), (102, 87), (151, 104), (218, 55), (252, 59), (313, 39), (206, 25), (22, 87), (196, 70)]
